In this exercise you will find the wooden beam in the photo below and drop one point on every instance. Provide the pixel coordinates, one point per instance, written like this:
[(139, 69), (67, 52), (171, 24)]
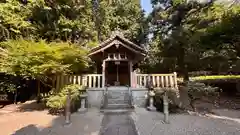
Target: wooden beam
[(131, 73)]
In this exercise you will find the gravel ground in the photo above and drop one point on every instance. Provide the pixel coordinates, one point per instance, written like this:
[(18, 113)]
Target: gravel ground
[(151, 123)]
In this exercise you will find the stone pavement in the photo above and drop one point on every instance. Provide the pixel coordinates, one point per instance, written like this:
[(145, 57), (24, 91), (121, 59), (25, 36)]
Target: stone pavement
[(151, 123), (118, 124)]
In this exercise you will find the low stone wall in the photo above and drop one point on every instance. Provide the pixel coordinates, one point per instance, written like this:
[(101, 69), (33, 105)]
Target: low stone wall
[(139, 98)]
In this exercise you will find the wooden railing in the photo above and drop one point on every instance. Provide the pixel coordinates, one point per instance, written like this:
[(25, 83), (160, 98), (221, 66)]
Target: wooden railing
[(88, 80), (157, 80), (96, 80), (93, 80)]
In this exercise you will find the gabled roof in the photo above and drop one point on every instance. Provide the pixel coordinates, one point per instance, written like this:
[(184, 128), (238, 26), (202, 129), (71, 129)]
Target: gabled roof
[(118, 38)]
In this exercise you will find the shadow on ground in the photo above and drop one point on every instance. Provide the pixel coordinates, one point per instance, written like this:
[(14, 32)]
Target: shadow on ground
[(81, 124)]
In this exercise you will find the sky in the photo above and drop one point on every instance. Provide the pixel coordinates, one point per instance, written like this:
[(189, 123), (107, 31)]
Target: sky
[(146, 5)]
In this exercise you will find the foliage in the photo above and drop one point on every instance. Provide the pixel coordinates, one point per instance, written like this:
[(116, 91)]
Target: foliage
[(64, 19), (186, 37), (222, 41), (7, 86), (126, 16), (61, 19), (197, 91), (35, 60), (14, 19), (173, 99), (69, 20), (57, 101), (215, 77), (211, 77)]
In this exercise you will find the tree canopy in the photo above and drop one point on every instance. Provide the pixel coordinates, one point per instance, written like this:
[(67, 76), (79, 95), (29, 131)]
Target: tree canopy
[(31, 59), (180, 36), (193, 36)]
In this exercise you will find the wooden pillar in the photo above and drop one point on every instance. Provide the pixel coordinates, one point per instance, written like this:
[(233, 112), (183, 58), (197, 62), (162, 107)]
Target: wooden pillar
[(103, 73), (131, 73)]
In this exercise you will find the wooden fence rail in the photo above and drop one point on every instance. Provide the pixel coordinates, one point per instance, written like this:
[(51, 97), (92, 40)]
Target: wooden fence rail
[(157, 80), (96, 80), (88, 80)]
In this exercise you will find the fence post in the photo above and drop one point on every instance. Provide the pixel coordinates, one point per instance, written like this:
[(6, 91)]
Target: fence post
[(165, 107), (67, 109)]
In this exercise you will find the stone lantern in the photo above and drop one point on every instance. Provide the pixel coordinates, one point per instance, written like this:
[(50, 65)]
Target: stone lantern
[(151, 95)]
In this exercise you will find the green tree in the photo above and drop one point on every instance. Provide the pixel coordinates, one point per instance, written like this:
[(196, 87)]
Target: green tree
[(127, 16), (14, 21), (37, 60), (222, 40), (177, 28)]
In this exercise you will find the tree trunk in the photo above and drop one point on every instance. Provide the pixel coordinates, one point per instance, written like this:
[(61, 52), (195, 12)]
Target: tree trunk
[(238, 49), (182, 64), (38, 92)]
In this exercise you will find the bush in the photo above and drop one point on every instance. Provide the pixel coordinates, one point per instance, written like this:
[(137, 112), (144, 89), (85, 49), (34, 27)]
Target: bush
[(197, 91), (172, 95), (56, 102)]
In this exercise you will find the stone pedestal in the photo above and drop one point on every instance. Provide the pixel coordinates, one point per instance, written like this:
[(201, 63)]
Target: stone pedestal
[(83, 103)]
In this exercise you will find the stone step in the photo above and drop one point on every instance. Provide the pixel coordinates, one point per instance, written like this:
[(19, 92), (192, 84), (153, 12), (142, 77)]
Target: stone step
[(118, 106), (115, 94), (118, 102), (117, 111), (118, 88), (118, 98)]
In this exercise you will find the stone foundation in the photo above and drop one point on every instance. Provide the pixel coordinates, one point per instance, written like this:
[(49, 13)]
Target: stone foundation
[(95, 97)]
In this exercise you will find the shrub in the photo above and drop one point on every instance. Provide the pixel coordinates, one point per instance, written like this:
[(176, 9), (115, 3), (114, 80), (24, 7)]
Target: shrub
[(172, 95), (6, 86), (56, 102), (197, 91)]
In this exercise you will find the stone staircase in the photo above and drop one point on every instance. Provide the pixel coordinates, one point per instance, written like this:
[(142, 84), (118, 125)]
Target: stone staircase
[(117, 99)]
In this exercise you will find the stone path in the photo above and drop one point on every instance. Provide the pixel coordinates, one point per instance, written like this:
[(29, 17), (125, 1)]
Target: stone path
[(118, 124)]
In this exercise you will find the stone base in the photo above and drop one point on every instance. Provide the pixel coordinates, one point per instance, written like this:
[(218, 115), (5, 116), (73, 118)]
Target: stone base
[(149, 108), (82, 110), (67, 124)]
